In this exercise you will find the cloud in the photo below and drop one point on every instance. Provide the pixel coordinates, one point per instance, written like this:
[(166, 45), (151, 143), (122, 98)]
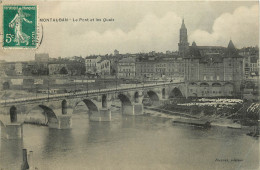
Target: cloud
[(144, 33), (242, 26), (151, 33)]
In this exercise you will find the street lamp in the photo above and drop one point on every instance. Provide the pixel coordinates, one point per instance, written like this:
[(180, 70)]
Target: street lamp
[(75, 86), (104, 80), (116, 81), (87, 86), (48, 88), (36, 90), (48, 79), (143, 81), (5, 97)]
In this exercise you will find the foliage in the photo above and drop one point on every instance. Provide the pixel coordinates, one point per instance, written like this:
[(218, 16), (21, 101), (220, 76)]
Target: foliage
[(63, 70), (6, 86), (76, 67)]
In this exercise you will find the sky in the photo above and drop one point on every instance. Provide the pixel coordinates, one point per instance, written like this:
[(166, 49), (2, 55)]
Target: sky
[(140, 27)]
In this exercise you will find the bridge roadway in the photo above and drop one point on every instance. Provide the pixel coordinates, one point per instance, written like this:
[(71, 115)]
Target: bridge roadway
[(82, 93)]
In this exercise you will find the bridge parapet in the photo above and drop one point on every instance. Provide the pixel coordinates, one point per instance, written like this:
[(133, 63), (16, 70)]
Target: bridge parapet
[(59, 108)]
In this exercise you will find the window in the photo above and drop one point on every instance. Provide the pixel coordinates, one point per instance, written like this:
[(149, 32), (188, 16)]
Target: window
[(204, 77), (217, 77)]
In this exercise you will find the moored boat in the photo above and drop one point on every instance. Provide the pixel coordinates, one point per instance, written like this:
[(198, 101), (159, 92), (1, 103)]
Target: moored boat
[(254, 133), (193, 122)]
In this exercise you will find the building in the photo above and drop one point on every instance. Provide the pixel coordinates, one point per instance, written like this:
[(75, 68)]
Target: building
[(91, 64), (57, 68), (116, 52), (19, 68), (211, 71), (2, 68), (250, 62), (42, 57), (169, 67), (174, 68), (126, 68), (146, 68), (103, 67)]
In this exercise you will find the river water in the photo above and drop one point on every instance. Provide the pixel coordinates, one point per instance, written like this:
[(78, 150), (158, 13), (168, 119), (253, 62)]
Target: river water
[(131, 143)]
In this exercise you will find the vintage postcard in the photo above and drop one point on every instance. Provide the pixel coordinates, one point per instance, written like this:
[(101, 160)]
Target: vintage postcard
[(129, 85)]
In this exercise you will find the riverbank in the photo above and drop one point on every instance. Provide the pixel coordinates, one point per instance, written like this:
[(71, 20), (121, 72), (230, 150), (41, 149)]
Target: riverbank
[(215, 120)]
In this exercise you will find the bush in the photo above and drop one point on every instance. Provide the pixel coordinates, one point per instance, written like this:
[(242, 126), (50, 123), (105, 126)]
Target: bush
[(6, 86)]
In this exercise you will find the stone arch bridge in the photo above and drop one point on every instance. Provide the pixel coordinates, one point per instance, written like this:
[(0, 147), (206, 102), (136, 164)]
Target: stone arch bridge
[(59, 107)]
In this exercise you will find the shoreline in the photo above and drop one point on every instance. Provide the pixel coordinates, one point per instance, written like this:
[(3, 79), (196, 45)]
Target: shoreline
[(220, 122)]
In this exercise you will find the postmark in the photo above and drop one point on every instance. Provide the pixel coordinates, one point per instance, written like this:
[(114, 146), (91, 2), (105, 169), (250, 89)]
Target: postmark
[(19, 26)]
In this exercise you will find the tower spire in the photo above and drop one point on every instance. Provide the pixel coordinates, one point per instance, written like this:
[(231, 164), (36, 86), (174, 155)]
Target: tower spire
[(183, 43), (183, 24)]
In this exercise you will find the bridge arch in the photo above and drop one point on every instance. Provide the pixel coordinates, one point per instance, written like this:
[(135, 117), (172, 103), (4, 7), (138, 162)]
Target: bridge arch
[(124, 99), (51, 116), (175, 93), (204, 84), (163, 93), (64, 107), (136, 97), (13, 114), (228, 89), (91, 105), (153, 96), (193, 84), (1, 124), (104, 100), (216, 85)]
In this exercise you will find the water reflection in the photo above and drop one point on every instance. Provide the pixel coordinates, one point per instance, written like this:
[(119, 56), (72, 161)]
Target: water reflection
[(131, 142), (56, 142), (11, 153), (98, 132)]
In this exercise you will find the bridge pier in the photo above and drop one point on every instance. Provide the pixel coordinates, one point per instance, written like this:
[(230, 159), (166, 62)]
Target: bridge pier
[(164, 101), (134, 109), (14, 129), (103, 115), (62, 122)]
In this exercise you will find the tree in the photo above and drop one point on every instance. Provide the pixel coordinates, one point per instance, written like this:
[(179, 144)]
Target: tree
[(6, 85), (63, 70), (76, 67)]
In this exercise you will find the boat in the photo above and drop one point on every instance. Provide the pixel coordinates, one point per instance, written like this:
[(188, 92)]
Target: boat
[(235, 127), (254, 133), (193, 122)]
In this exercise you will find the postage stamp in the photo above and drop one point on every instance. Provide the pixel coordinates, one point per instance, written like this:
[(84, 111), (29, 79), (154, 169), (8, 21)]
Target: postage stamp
[(19, 26)]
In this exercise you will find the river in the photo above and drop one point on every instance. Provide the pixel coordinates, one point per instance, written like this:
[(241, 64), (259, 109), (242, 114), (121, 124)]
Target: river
[(131, 143)]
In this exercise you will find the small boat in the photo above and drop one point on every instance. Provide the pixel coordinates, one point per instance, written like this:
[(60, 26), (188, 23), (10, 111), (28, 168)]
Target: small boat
[(235, 127), (193, 122), (255, 133)]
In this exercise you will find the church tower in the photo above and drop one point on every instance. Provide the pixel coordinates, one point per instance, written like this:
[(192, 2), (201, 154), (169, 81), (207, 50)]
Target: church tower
[(183, 43)]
